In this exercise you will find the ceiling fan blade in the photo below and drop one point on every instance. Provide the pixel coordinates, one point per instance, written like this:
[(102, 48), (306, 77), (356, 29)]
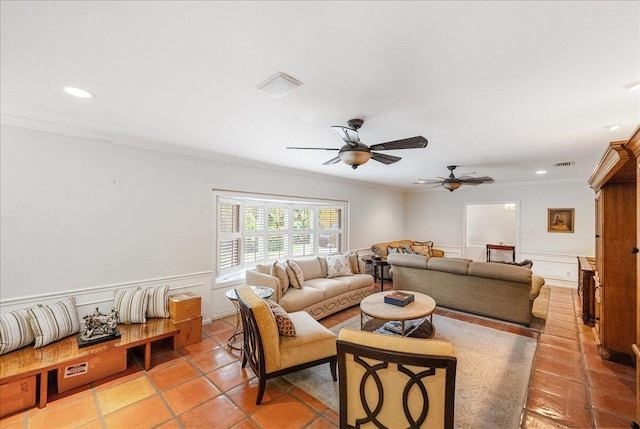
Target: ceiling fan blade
[(349, 135), (332, 161), (426, 181), (474, 181), (385, 159), (313, 148), (410, 143)]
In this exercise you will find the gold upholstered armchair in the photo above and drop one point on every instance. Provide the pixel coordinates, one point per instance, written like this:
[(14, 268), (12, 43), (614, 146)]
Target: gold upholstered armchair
[(304, 343), (395, 382)]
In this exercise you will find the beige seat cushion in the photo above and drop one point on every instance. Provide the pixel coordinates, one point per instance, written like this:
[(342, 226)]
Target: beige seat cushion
[(299, 299), (329, 287), (357, 281), (312, 341)]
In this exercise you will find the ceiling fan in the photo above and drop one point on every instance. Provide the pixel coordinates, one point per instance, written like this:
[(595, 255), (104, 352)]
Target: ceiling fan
[(355, 153), (452, 182)]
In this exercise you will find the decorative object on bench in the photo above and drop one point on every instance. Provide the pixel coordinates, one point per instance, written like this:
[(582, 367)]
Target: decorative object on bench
[(417, 387), (271, 355), (99, 327)]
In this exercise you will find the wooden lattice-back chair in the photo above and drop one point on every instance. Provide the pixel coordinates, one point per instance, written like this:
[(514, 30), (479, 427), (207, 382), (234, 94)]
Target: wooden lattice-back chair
[(271, 355), (395, 382)]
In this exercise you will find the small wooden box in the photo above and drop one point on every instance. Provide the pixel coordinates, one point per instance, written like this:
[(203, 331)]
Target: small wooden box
[(184, 306), (17, 395), (91, 368), (190, 332)]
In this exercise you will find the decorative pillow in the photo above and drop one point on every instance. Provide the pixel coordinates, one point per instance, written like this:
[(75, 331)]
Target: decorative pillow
[(391, 250), (15, 331), (280, 272), (285, 325), (353, 260), (429, 244), (53, 322), (131, 305), (158, 301), (421, 250), (405, 248), (338, 265), (296, 279)]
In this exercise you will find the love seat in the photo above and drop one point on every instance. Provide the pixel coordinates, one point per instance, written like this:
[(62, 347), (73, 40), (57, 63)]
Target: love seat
[(318, 295), (496, 290)]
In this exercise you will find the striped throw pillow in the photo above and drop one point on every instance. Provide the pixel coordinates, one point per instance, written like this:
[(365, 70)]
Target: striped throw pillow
[(158, 301), (131, 305), (53, 322), (15, 331)]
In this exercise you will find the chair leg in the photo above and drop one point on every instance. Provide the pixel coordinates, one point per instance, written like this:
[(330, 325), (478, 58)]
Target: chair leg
[(262, 384), (333, 365), (244, 360)]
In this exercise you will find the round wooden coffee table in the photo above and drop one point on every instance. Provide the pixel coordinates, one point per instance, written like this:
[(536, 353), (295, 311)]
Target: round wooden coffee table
[(414, 319)]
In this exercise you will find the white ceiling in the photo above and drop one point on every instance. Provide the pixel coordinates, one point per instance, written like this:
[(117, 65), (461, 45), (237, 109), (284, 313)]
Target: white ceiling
[(500, 88)]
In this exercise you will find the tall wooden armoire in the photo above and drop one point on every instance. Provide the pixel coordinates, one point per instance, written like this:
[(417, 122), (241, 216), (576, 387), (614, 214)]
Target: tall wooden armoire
[(614, 181), (617, 263)]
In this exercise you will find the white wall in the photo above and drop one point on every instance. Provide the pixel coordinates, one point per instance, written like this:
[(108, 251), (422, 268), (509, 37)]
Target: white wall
[(438, 216), (489, 224), (79, 213)]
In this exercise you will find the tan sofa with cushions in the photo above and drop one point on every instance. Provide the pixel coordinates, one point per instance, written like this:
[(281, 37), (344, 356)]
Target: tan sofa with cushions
[(319, 296), (496, 290), (382, 250)]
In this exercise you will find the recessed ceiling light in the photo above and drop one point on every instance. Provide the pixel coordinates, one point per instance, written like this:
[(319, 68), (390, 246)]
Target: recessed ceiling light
[(541, 172), (278, 85), (78, 92), (631, 86), (612, 127)]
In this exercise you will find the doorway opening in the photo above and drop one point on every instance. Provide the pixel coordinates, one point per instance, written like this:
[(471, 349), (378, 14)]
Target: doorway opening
[(494, 224)]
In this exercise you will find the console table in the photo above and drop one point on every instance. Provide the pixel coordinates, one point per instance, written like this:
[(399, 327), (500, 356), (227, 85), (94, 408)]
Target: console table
[(587, 289), (491, 247)]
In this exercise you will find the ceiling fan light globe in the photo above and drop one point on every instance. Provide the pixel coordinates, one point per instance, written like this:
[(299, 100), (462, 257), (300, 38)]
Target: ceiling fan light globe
[(355, 158), (451, 186)]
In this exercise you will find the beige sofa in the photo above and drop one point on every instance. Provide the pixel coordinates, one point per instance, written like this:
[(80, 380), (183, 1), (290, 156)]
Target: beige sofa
[(496, 290), (319, 296), (382, 250)]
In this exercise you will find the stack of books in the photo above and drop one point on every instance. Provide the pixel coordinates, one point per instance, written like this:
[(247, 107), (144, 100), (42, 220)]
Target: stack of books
[(399, 298)]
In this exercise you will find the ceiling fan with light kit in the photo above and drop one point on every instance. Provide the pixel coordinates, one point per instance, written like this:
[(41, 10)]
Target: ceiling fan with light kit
[(452, 182), (355, 153)]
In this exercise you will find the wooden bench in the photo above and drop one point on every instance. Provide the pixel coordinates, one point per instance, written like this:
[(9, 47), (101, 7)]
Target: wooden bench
[(27, 365)]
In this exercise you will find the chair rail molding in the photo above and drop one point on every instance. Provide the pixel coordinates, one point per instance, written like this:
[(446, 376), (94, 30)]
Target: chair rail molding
[(102, 296)]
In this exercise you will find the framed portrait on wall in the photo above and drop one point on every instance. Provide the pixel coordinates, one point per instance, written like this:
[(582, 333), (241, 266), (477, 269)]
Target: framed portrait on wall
[(560, 220)]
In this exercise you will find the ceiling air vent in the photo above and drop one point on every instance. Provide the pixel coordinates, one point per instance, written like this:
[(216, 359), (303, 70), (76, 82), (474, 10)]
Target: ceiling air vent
[(564, 164)]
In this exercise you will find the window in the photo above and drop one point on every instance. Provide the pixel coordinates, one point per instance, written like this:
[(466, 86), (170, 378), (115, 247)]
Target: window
[(252, 229)]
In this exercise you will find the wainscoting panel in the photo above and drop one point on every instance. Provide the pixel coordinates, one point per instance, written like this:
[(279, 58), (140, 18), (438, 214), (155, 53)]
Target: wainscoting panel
[(556, 269), (102, 296)]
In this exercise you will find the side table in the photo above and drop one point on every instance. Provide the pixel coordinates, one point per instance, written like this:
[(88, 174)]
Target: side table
[(262, 292), (377, 264)]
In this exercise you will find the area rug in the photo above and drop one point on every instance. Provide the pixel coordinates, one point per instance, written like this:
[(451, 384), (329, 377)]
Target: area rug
[(491, 380)]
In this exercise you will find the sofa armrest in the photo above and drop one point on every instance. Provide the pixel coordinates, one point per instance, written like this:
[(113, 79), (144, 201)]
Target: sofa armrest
[(536, 284), (255, 278)]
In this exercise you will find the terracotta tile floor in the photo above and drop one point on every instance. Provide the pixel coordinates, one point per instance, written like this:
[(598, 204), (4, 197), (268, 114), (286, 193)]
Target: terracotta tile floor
[(204, 385)]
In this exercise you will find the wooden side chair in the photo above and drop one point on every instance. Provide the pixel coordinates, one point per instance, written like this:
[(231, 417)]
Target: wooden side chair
[(395, 382), (271, 355)]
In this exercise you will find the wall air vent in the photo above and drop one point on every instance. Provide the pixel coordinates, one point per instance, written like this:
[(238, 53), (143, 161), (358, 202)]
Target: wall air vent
[(564, 164)]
